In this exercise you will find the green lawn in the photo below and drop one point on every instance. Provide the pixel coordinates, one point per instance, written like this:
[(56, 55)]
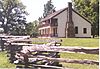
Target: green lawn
[(4, 62), (82, 42)]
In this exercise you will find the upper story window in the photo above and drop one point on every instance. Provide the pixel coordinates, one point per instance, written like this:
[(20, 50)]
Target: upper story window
[(84, 30), (54, 22), (76, 30)]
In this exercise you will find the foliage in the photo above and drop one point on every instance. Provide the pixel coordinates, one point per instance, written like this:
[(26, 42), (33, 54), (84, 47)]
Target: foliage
[(31, 28), (39, 19), (89, 9), (12, 16), (48, 8)]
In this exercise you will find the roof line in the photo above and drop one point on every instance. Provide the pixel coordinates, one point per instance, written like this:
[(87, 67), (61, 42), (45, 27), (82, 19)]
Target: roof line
[(60, 12), (82, 16), (56, 14), (72, 10)]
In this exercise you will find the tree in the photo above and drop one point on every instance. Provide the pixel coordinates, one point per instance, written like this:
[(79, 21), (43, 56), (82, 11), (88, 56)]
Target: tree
[(12, 16), (39, 19), (89, 9), (32, 28), (48, 8)]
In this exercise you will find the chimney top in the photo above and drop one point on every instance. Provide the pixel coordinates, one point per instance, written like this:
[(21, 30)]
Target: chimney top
[(69, 4)]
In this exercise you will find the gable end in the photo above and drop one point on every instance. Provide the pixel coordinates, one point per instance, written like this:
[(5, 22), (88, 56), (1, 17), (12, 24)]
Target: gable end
[(81, 16)]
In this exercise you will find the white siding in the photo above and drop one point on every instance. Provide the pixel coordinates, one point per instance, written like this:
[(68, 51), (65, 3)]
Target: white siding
[(81, 23), (62, 17), (77, 20), (44, 27)]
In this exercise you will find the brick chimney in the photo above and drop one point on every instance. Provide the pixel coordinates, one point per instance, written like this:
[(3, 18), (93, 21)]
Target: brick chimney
[(70, 25)]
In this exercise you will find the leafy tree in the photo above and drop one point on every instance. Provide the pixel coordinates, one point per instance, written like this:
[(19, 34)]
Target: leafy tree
[(89, 9), (12, 16), (39, 19), (48, 8), (32, 28)]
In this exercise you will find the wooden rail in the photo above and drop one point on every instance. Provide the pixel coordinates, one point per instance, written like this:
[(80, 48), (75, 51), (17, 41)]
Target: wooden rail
[(22, 49), (5, 39), (26, 56), (50, 67), (32, 47)]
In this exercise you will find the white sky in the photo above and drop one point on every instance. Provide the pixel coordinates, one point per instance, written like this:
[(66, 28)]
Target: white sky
[(35, 7)]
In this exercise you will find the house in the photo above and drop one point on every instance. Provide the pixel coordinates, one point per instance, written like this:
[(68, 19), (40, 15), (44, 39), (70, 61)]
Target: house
[(65, 23)]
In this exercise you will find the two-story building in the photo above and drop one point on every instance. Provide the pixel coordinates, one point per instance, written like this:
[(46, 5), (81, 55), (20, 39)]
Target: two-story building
[(65, 23)]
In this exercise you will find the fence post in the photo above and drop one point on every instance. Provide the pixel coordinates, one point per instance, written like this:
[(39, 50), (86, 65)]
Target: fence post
[(2, 44), (12, 52)]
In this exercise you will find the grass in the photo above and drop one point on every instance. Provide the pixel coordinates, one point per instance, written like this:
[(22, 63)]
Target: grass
[(4, 62), (81, 42), (80, 66), (81, 57)]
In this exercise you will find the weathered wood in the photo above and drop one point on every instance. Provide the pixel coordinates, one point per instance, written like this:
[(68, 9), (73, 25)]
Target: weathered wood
[(11, 36), (2, 44), (46, 40), (30, 58), (10, 40), (32, 47), (72, 60), (26, 52), (5, 39), (48, 66)]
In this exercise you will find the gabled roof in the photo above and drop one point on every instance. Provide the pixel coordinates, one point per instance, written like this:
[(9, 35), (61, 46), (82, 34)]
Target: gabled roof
[(60, 11), (82, 16), (53, 14)]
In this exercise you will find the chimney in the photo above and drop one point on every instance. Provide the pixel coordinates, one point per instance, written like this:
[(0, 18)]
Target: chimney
[(69, 12), (70, 25)]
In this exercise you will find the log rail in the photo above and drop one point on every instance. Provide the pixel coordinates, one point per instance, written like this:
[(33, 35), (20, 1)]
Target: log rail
[(34, 47), (22, 49)]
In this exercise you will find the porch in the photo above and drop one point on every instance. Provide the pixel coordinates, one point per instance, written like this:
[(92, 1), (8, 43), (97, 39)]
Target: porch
[(48, 31)]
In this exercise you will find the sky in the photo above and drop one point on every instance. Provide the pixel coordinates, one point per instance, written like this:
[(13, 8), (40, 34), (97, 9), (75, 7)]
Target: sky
[(35, 7)]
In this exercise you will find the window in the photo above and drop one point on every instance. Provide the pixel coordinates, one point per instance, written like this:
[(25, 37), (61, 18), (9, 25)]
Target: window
[(84, 30), (76, 30), (44, 31), (54, 22), (48, 31), (54, 31)]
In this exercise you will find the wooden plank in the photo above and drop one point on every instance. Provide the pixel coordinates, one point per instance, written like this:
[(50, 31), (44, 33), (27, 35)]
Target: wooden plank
[(11, 36), (48, 66), (46, 40), (58, 59), (18, 40), (72, 60), (44, 47)]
